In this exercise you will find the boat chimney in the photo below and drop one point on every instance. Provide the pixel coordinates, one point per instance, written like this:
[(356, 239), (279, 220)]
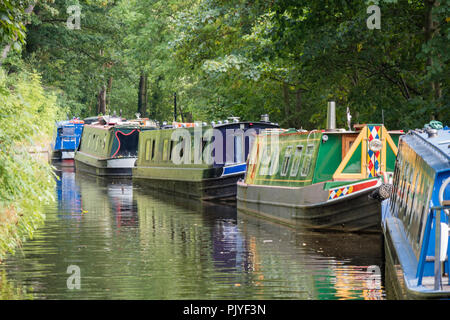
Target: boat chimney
[(265, 118), (331, 115)]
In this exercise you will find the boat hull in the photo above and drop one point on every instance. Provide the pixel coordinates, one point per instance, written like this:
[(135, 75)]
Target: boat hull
[(120, 167), (401, 283), (63, 155), (220, 189), (305, 207)]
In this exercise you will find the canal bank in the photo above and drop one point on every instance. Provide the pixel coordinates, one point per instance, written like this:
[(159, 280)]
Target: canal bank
[(21, 217), (129, 243), (27, 117)]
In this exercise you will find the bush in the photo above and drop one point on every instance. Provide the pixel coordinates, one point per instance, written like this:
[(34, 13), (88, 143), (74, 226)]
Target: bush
[(27, 117)]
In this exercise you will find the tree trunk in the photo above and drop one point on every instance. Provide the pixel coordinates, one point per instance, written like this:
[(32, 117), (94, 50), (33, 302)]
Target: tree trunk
[(108, 93), (101, 101), (142, 95)]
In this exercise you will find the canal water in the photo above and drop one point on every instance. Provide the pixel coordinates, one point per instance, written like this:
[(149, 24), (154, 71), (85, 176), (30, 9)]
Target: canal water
[(117, 241)]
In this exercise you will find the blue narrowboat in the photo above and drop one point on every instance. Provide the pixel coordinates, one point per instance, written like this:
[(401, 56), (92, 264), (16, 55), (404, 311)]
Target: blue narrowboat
[(416, 215), (68, 136)]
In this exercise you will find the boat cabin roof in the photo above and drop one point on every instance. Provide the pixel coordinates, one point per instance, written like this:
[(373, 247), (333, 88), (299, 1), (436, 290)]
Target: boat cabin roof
[(339, 131), (70, 122), (107, 122), (434, 149), (216, 125)]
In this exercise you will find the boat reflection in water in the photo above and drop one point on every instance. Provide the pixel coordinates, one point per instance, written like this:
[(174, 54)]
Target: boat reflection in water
[(266, 259), (336, 266), (131, 244), (120, 194), (68, 192)]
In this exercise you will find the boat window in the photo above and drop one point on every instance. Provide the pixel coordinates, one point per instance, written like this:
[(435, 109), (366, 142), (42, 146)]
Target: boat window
[(68, 131), (238, 149), (394, 197), (297, 160), (182, 151), (171, 149), (127, 144), (274, 161), (415, 196), (400, 185), (92, 142), (208, 151), (410, 196), (199, 151), (153, 149), (424, 213), (286, 160), (147, 150), (204, 143), (265, 159), (165, 148), (403, 191), (307, 161)]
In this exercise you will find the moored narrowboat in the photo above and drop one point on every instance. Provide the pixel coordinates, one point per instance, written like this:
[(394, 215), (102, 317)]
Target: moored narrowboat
[(109, 146), (67, 138), (319, 179), (198, 161), (415, 218)]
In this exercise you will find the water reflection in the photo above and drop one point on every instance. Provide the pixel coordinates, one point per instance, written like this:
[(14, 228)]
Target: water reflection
[(131, 243), (123, 206), (312, 264), (68, 192)]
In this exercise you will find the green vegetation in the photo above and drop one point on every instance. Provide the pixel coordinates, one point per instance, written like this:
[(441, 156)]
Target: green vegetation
[(27, 116), (8, 291), (286, 58)]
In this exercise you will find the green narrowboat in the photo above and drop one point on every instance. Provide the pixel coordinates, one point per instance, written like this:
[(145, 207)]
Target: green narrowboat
[(197, 161), (320, 179), (109, 146)]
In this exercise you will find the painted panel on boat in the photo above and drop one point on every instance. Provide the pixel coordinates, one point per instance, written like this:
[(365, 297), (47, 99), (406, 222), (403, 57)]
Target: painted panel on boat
[(390, 154), (329, 158), (287, 159), (354, 164)]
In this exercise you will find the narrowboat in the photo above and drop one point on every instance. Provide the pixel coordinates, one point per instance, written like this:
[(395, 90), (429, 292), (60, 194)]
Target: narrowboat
[(416, 215), (109, 146), (197, 160), (67, 138), (320, 179)]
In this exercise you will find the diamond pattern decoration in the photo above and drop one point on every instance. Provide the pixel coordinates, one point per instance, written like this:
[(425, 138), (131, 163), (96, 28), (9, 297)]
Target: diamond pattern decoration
[(344, 191), (373, 158)]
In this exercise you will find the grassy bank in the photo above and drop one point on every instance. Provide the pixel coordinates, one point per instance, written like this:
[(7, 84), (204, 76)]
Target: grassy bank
[(27, 117)]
